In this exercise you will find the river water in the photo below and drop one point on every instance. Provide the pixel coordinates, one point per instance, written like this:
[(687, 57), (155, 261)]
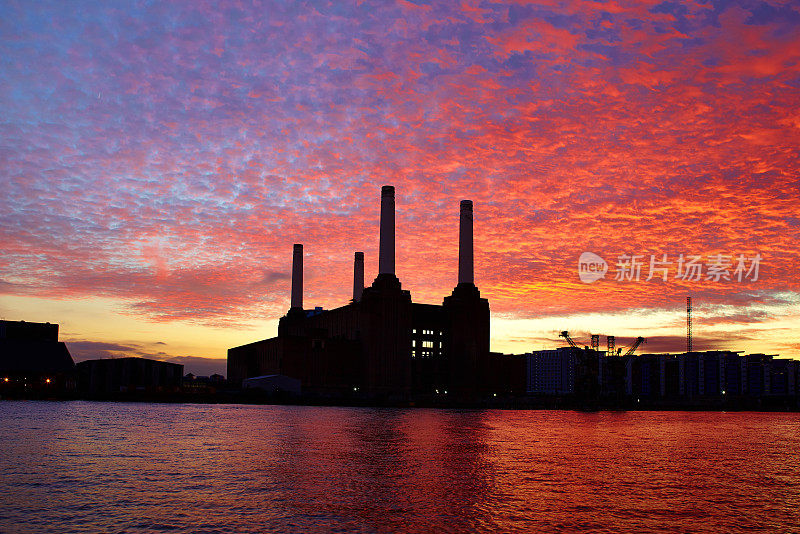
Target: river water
[(118, 467)]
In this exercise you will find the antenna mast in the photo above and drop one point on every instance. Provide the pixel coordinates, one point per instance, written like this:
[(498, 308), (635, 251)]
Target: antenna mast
[(688, 324)]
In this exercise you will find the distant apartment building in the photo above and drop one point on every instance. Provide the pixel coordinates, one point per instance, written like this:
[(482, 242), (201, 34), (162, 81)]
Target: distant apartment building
[(564, 371), (783, 376), (552, 372), (693, 375)]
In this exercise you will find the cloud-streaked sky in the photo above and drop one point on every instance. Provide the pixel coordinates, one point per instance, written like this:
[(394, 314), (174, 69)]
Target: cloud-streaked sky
[(159, 159)]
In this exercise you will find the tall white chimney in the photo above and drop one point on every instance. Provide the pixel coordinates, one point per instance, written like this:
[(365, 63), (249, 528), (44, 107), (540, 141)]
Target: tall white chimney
[(465, 257), (386, 255), (358, 276), (297, 276)]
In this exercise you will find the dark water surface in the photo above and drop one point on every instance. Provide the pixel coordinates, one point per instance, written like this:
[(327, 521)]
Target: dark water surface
[(113, 467)]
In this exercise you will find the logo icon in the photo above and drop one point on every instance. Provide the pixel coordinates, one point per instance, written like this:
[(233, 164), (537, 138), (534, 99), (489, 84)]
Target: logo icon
[(591, 267)]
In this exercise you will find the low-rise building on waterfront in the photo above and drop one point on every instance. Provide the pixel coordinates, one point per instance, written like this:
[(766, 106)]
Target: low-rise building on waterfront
[(120, 375), (32, 359)]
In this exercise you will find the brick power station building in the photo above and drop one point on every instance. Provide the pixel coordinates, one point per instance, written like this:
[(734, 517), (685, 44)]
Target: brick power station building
[(382, 344)]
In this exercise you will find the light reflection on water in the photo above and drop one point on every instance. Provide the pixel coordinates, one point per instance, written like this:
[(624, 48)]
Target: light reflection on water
[(112, 467)]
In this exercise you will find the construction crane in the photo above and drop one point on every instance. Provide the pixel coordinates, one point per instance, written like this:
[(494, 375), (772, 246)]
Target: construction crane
[(632, 349), (565, 335), (612, 350)]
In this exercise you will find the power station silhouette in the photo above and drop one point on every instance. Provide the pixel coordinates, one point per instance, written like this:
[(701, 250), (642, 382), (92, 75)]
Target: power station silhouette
[(382, 344)]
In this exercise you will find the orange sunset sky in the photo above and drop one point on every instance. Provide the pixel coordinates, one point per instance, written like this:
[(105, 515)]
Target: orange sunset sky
[(158, 161)]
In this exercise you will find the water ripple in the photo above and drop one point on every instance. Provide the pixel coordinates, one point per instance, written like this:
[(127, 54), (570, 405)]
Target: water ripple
[(81, 467)]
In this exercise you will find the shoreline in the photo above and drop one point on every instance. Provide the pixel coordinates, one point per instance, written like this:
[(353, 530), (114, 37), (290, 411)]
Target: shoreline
[(777, 404)]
